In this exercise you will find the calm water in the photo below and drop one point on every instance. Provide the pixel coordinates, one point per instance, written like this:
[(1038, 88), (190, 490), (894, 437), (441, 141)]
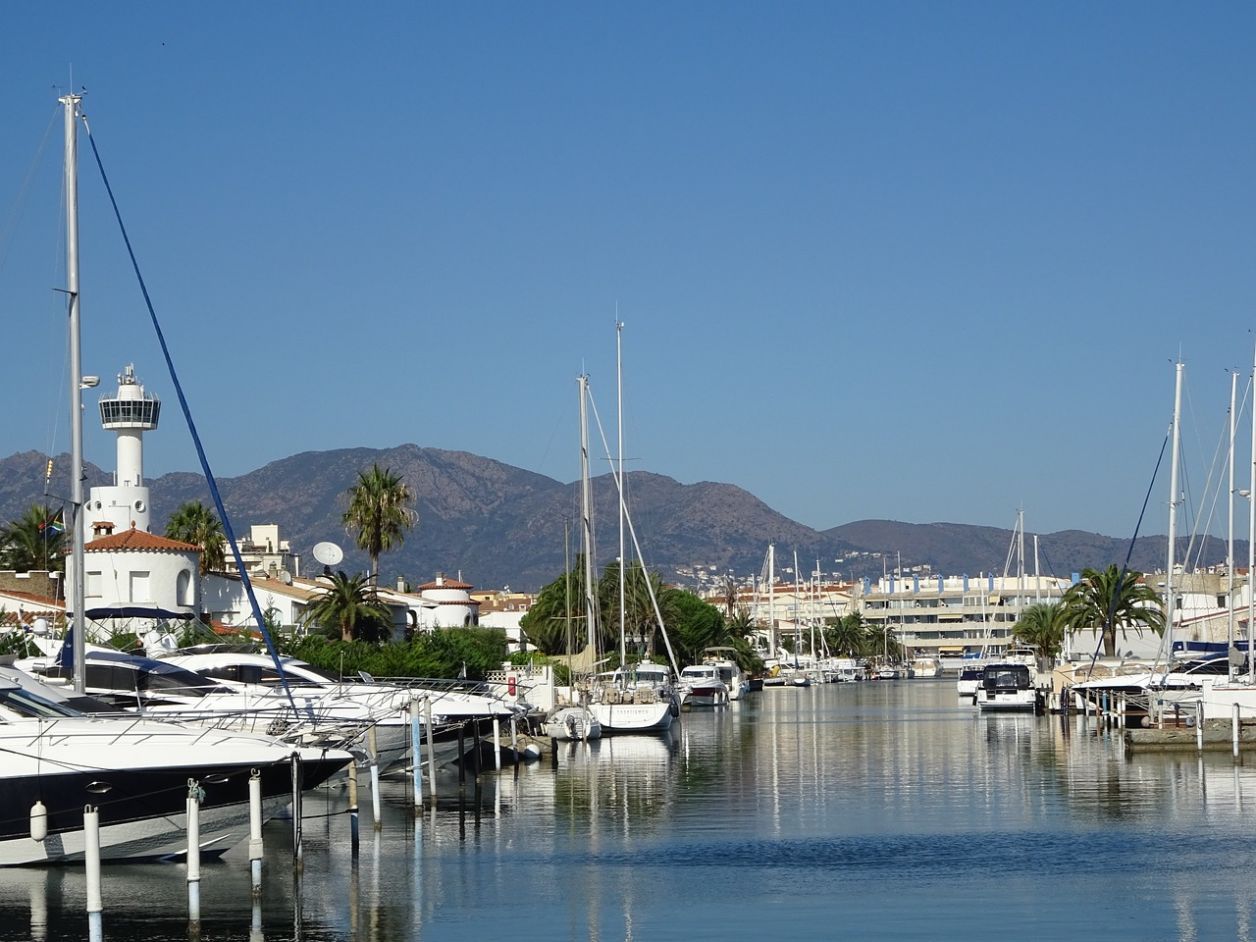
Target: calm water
[(859, 811)]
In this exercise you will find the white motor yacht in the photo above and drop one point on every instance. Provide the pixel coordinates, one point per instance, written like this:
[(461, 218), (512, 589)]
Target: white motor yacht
[(136, 773), (701, 685)]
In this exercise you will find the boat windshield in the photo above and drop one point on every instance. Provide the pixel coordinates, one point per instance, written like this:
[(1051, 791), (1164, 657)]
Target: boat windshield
[(1006, 677), (23, 703)]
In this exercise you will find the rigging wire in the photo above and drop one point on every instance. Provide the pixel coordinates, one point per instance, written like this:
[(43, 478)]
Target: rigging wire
[(1125, 567)]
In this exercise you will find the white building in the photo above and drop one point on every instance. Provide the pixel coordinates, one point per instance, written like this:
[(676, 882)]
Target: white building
[(132, 577)]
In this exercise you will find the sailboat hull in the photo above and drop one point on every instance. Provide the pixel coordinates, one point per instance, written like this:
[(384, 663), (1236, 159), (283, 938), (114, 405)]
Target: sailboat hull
[(632, 717)]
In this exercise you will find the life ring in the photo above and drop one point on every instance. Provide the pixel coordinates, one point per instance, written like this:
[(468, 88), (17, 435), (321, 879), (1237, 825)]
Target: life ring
[(510, 685)]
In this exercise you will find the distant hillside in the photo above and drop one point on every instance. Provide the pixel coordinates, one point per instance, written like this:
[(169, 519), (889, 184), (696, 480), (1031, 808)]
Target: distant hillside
[(500, 525)]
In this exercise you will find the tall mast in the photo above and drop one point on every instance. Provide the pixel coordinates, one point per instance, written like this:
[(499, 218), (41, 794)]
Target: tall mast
[(586, 516), (623, 569), (1229, 550), (1251, 540), (78, 563), (772, 645), (1173, 505)]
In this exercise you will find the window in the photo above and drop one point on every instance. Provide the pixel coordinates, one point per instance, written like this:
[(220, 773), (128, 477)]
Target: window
[(183, 588), (140, 591), (92, 587)]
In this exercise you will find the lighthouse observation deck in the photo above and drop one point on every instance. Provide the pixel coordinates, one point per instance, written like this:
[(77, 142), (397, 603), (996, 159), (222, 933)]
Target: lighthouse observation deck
[(130, 413), (131, 407)]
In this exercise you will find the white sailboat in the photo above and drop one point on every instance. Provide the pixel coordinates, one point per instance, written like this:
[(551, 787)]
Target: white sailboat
[(616, 704)]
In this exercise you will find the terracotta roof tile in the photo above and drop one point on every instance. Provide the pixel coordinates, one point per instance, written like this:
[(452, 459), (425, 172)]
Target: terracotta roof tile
[(134, 539)]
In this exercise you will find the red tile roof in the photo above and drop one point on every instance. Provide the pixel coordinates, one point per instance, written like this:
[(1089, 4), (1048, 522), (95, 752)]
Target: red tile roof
[(134, 539), (446, 584)]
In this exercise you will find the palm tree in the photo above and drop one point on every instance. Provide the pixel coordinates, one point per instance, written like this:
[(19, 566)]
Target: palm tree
[(195, 523), (1043, 627), (1108, 599), (379, 513), (33, 541), (350, 605), (847, 638)]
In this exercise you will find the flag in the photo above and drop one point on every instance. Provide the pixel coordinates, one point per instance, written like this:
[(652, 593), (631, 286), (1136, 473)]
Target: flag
[(56, 524)]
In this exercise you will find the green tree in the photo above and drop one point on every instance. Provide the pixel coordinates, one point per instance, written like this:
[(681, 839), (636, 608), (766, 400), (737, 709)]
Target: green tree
[(34, 541), (557, 615), (349, 605), (695, 626), (741, 623), (881, 642), (379, 513), (1043, 627), (195, 523), (1107, 600)]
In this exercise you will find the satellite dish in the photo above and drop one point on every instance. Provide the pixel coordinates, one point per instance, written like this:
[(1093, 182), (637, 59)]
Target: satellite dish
[(285, 577), (329, 554)]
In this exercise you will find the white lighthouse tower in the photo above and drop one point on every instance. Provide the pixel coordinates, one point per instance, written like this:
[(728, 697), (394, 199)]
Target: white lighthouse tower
[(129, 414)]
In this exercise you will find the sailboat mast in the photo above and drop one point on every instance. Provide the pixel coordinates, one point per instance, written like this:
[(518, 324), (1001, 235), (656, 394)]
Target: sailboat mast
[(772, 641), (586, 516), (623, 569), (1251, 541), (1229, 546), (78, 592), (1173, 505)]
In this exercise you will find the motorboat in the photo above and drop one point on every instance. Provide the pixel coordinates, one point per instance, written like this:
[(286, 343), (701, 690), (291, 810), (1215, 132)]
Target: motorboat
[(454, 710), (926, 668), (969, 681), (701, 685), (724, 661), (572, 723), (1008, 687), (136, 773)]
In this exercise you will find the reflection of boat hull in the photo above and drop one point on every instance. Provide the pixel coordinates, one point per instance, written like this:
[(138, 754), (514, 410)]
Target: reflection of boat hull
[(632, 717)]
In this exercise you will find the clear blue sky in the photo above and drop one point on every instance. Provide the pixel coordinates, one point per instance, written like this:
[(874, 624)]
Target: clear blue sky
[(921, 261)]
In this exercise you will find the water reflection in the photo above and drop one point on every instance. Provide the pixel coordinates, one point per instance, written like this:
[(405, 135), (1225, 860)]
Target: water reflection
[(772, 818)]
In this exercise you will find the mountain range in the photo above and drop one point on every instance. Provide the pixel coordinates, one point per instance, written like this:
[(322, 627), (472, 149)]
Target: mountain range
[(496, 525)]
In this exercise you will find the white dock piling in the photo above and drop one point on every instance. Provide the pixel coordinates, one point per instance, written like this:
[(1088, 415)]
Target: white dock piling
[(373, 748), (514, 736), (194, 853), (431, 749), (1199, 727), (91, 860), (255, 832), (1234, 732), (416, 754), (298, 789), (354, 839), (497, 744)]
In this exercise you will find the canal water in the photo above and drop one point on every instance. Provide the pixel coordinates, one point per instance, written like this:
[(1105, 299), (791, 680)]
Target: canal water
[(862, 811)]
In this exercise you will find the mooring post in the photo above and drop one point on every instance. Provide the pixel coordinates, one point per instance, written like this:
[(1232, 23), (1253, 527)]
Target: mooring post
[(354, 823), (1199, 726), (194, 856), (1234, 732), (431, 748), (372, 740), (298, 789), (416, 754), (497, 743), (255, 832), (462, 753), (91, 861)]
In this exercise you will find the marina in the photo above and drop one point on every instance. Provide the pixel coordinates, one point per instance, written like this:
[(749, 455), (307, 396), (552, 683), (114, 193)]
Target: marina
[(875, 810)]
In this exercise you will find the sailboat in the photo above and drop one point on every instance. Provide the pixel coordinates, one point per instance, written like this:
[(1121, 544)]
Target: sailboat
[(622, 701)]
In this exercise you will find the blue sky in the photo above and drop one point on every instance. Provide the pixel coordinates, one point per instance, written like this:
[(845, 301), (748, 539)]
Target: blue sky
[(918, 261)]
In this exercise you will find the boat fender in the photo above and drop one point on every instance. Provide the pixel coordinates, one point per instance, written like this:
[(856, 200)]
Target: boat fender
[(510, 685), (39, 821)]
